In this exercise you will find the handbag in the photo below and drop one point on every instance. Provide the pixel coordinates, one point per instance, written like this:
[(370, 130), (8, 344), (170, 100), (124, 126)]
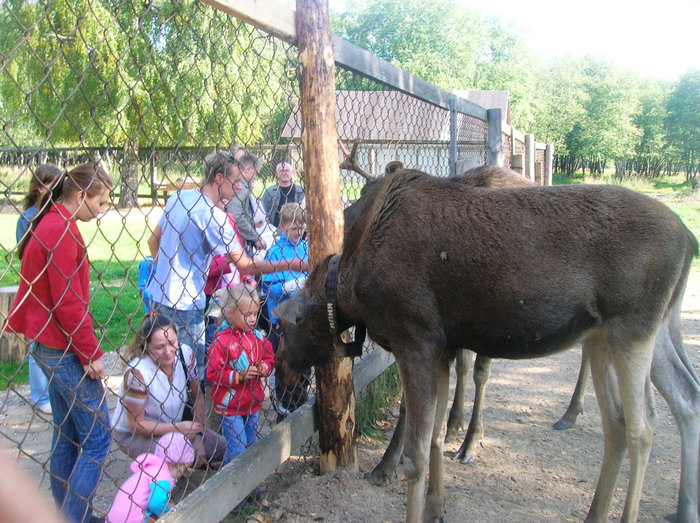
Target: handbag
[(188, 413)]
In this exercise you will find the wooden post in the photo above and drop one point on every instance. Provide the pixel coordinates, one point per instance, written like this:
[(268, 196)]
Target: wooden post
[(335, 395)]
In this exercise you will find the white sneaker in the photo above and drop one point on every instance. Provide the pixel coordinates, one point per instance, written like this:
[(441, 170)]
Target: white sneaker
[(45, 409)]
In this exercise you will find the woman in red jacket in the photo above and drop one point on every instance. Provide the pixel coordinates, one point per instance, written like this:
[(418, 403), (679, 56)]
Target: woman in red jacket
[(52, 308)]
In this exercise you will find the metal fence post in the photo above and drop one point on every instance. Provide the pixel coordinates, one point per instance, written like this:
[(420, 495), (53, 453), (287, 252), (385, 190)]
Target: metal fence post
[(495, 139), (453, 136), (530, 157), (548, 161)]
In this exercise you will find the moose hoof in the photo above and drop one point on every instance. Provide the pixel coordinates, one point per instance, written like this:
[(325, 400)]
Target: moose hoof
[(378, 478), (563, 424), (434, 508), (452, 433), (465, 457)]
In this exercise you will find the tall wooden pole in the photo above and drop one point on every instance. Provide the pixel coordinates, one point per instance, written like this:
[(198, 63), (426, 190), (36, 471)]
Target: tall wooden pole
[(335, 396)]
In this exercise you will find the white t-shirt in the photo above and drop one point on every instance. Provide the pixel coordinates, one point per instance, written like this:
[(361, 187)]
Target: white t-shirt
[(193, 230), (144, 383)]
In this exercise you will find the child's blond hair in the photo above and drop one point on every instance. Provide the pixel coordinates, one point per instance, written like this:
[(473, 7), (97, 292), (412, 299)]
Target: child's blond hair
[(291, 213), (231, 297)]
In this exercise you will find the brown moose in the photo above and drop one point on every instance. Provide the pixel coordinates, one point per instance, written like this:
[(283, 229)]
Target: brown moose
[(461, 267)]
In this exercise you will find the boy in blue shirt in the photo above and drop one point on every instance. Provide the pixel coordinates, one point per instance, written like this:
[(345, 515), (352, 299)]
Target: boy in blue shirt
[(279, 287)]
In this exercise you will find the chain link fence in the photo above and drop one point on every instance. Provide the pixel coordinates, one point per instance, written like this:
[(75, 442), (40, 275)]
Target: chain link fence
[(147, 90)]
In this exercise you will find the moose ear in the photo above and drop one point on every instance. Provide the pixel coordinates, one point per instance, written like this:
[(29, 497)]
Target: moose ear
[(292, 310), (393, 167)]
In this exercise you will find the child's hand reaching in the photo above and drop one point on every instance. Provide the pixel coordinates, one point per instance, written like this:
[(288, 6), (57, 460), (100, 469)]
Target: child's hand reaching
[(251, 372)]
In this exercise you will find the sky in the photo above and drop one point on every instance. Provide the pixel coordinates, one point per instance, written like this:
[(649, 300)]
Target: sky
[(659, 39)]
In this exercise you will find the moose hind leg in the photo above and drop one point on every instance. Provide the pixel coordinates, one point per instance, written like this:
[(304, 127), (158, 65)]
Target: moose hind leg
[(419, 380), (435, 503), (679, 386), (385, 471), (631, 364), (475, 433), (640, 419), (608, 396), (455, 420)]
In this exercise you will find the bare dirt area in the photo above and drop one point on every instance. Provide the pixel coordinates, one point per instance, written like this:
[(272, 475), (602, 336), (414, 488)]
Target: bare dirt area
[(526, 471)]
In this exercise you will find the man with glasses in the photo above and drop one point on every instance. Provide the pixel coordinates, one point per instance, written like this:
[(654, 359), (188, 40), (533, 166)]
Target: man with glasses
[(192, 229)]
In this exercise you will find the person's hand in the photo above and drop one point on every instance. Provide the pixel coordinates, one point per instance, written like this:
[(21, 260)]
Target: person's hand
[(189, 429), (95, 369), (250, 372), (260, 244)]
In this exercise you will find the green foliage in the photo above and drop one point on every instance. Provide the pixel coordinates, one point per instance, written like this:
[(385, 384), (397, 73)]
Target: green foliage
[(682, 120), (416, 38)]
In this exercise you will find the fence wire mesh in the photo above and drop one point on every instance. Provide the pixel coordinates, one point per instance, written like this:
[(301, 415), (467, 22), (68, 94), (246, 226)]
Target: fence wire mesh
[(147, 90)]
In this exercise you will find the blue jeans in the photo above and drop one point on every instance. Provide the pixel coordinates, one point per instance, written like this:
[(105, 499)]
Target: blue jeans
[(81, 433), (240, 433), (190, 331), (38, 384)]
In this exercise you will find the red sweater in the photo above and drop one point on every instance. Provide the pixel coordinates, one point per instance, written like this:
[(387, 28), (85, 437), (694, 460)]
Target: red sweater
[(231, 395), (52, 305)]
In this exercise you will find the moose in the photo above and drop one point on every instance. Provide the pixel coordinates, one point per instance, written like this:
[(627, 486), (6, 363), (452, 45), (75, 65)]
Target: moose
[(672, 374), (460, 267)]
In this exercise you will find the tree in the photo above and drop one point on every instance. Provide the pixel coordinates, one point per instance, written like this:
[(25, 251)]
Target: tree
[(650, 150), (439, 44), (682, 122)]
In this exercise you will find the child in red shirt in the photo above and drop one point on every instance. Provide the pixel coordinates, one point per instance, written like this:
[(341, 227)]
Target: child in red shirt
[(239, 358)]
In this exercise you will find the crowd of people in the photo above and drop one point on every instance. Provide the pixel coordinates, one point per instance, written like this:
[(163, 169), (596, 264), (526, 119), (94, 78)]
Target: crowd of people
[(210, 271)]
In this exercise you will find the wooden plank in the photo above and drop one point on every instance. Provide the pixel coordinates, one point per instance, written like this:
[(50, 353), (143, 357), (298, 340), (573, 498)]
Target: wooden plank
[(363, 62), (271, 16), (13, 347), (370, 367), (220, 494)]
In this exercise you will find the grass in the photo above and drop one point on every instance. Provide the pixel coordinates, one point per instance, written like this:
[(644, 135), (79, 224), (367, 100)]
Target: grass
[(375, 401)]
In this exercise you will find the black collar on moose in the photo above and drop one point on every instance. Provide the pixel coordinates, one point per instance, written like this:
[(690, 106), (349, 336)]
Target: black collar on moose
[(354, 348)]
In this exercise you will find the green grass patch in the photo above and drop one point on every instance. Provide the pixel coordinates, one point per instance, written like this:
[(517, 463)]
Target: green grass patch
[(13, 373), (375, 401)]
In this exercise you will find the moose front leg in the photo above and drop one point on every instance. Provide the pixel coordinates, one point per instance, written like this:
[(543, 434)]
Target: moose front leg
[(455, 421), (475, 433), (576, 404)]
